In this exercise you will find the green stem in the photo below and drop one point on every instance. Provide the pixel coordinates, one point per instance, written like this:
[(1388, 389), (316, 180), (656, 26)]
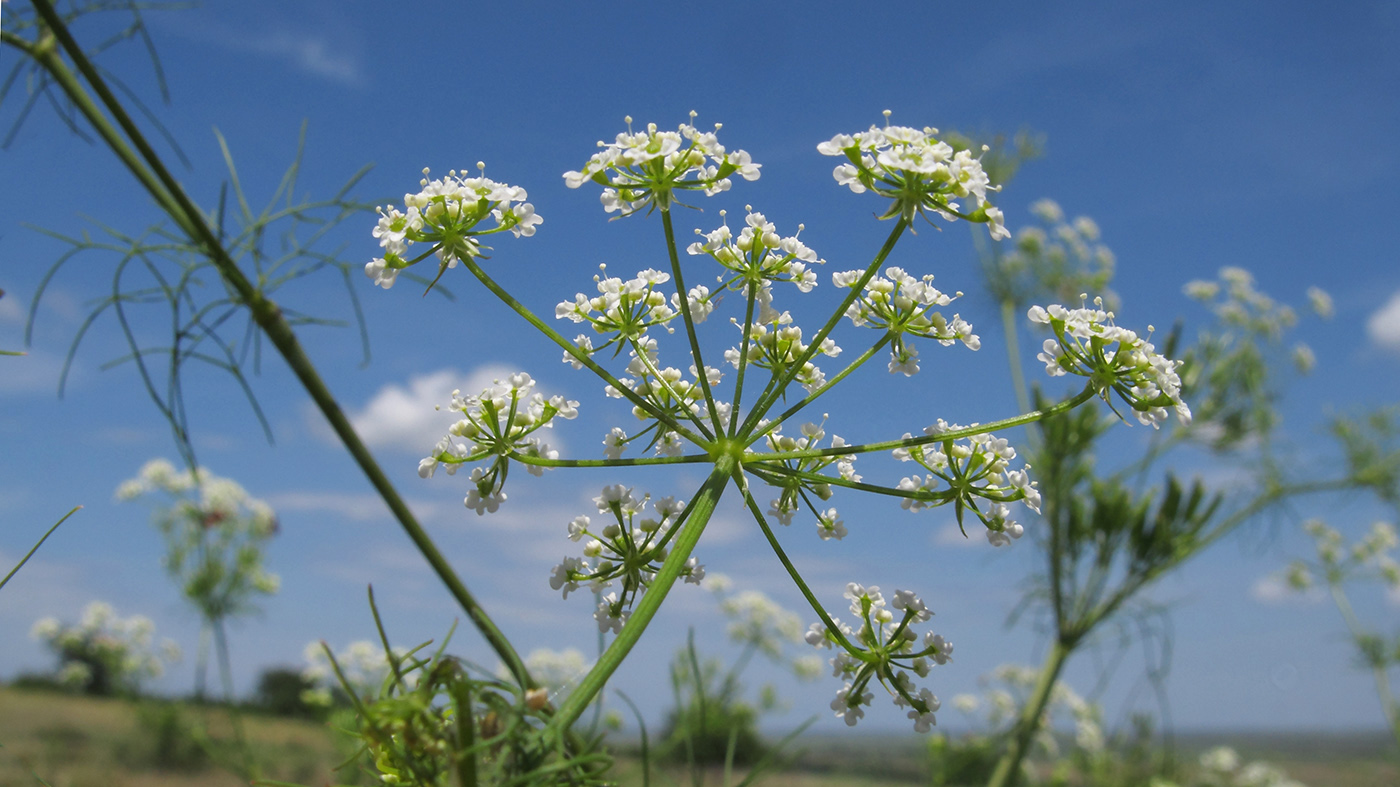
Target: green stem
[(952, 434), (787, 563), (163, 187), (828, 385), (752, 290), (770, 396), (578, 355), (689, 321), (466, 733), (703, 506), (1008, 769), (541, 461)]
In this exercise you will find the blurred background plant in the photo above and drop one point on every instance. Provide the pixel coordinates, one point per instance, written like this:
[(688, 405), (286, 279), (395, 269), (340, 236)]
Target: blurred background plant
[(1370, 560), (1109, 533), (104, 654), (215, 537)]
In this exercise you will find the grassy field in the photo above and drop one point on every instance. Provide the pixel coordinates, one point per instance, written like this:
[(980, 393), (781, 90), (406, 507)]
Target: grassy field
[(71, 741)]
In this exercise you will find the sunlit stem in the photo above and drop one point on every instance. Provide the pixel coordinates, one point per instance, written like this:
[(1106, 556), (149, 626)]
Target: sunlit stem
[(752, 297), (702, 507), (577, 353), (828, 385), (540, 461), (952, 434), (689, 321), (680, 401), (817, 607)]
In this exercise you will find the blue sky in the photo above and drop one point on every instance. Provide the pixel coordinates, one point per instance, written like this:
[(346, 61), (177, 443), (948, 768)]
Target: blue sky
[(1198, 135)]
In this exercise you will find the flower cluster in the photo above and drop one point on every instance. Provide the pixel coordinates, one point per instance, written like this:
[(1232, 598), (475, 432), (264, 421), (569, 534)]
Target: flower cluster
[(916, 170), (960, 471), (1222, 766), (500, 423), (446, 213), (629, 308), (801, 478), (759, 255), (667, 394), (775, 343), (883, 649), (628, 548), (1087, 343), (642, 169), (105, 654), (899, 303)]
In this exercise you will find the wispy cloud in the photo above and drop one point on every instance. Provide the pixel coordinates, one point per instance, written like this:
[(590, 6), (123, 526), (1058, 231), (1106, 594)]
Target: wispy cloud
[(1384, 325), (311, 54)]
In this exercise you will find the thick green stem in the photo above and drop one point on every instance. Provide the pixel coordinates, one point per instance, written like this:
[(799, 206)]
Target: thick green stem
[(702, 507), (1008, 770), (163, 187)]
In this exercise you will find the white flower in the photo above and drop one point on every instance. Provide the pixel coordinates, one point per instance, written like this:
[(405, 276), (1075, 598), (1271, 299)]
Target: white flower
[(609, 617), (847, 705)]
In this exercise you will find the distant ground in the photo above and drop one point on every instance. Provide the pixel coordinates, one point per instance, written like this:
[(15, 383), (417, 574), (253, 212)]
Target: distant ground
[(71, 741)]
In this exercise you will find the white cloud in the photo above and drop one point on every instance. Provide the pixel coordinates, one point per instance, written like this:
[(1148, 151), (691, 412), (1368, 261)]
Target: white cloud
[(1384, 325), (403, 417), (311, 54)]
